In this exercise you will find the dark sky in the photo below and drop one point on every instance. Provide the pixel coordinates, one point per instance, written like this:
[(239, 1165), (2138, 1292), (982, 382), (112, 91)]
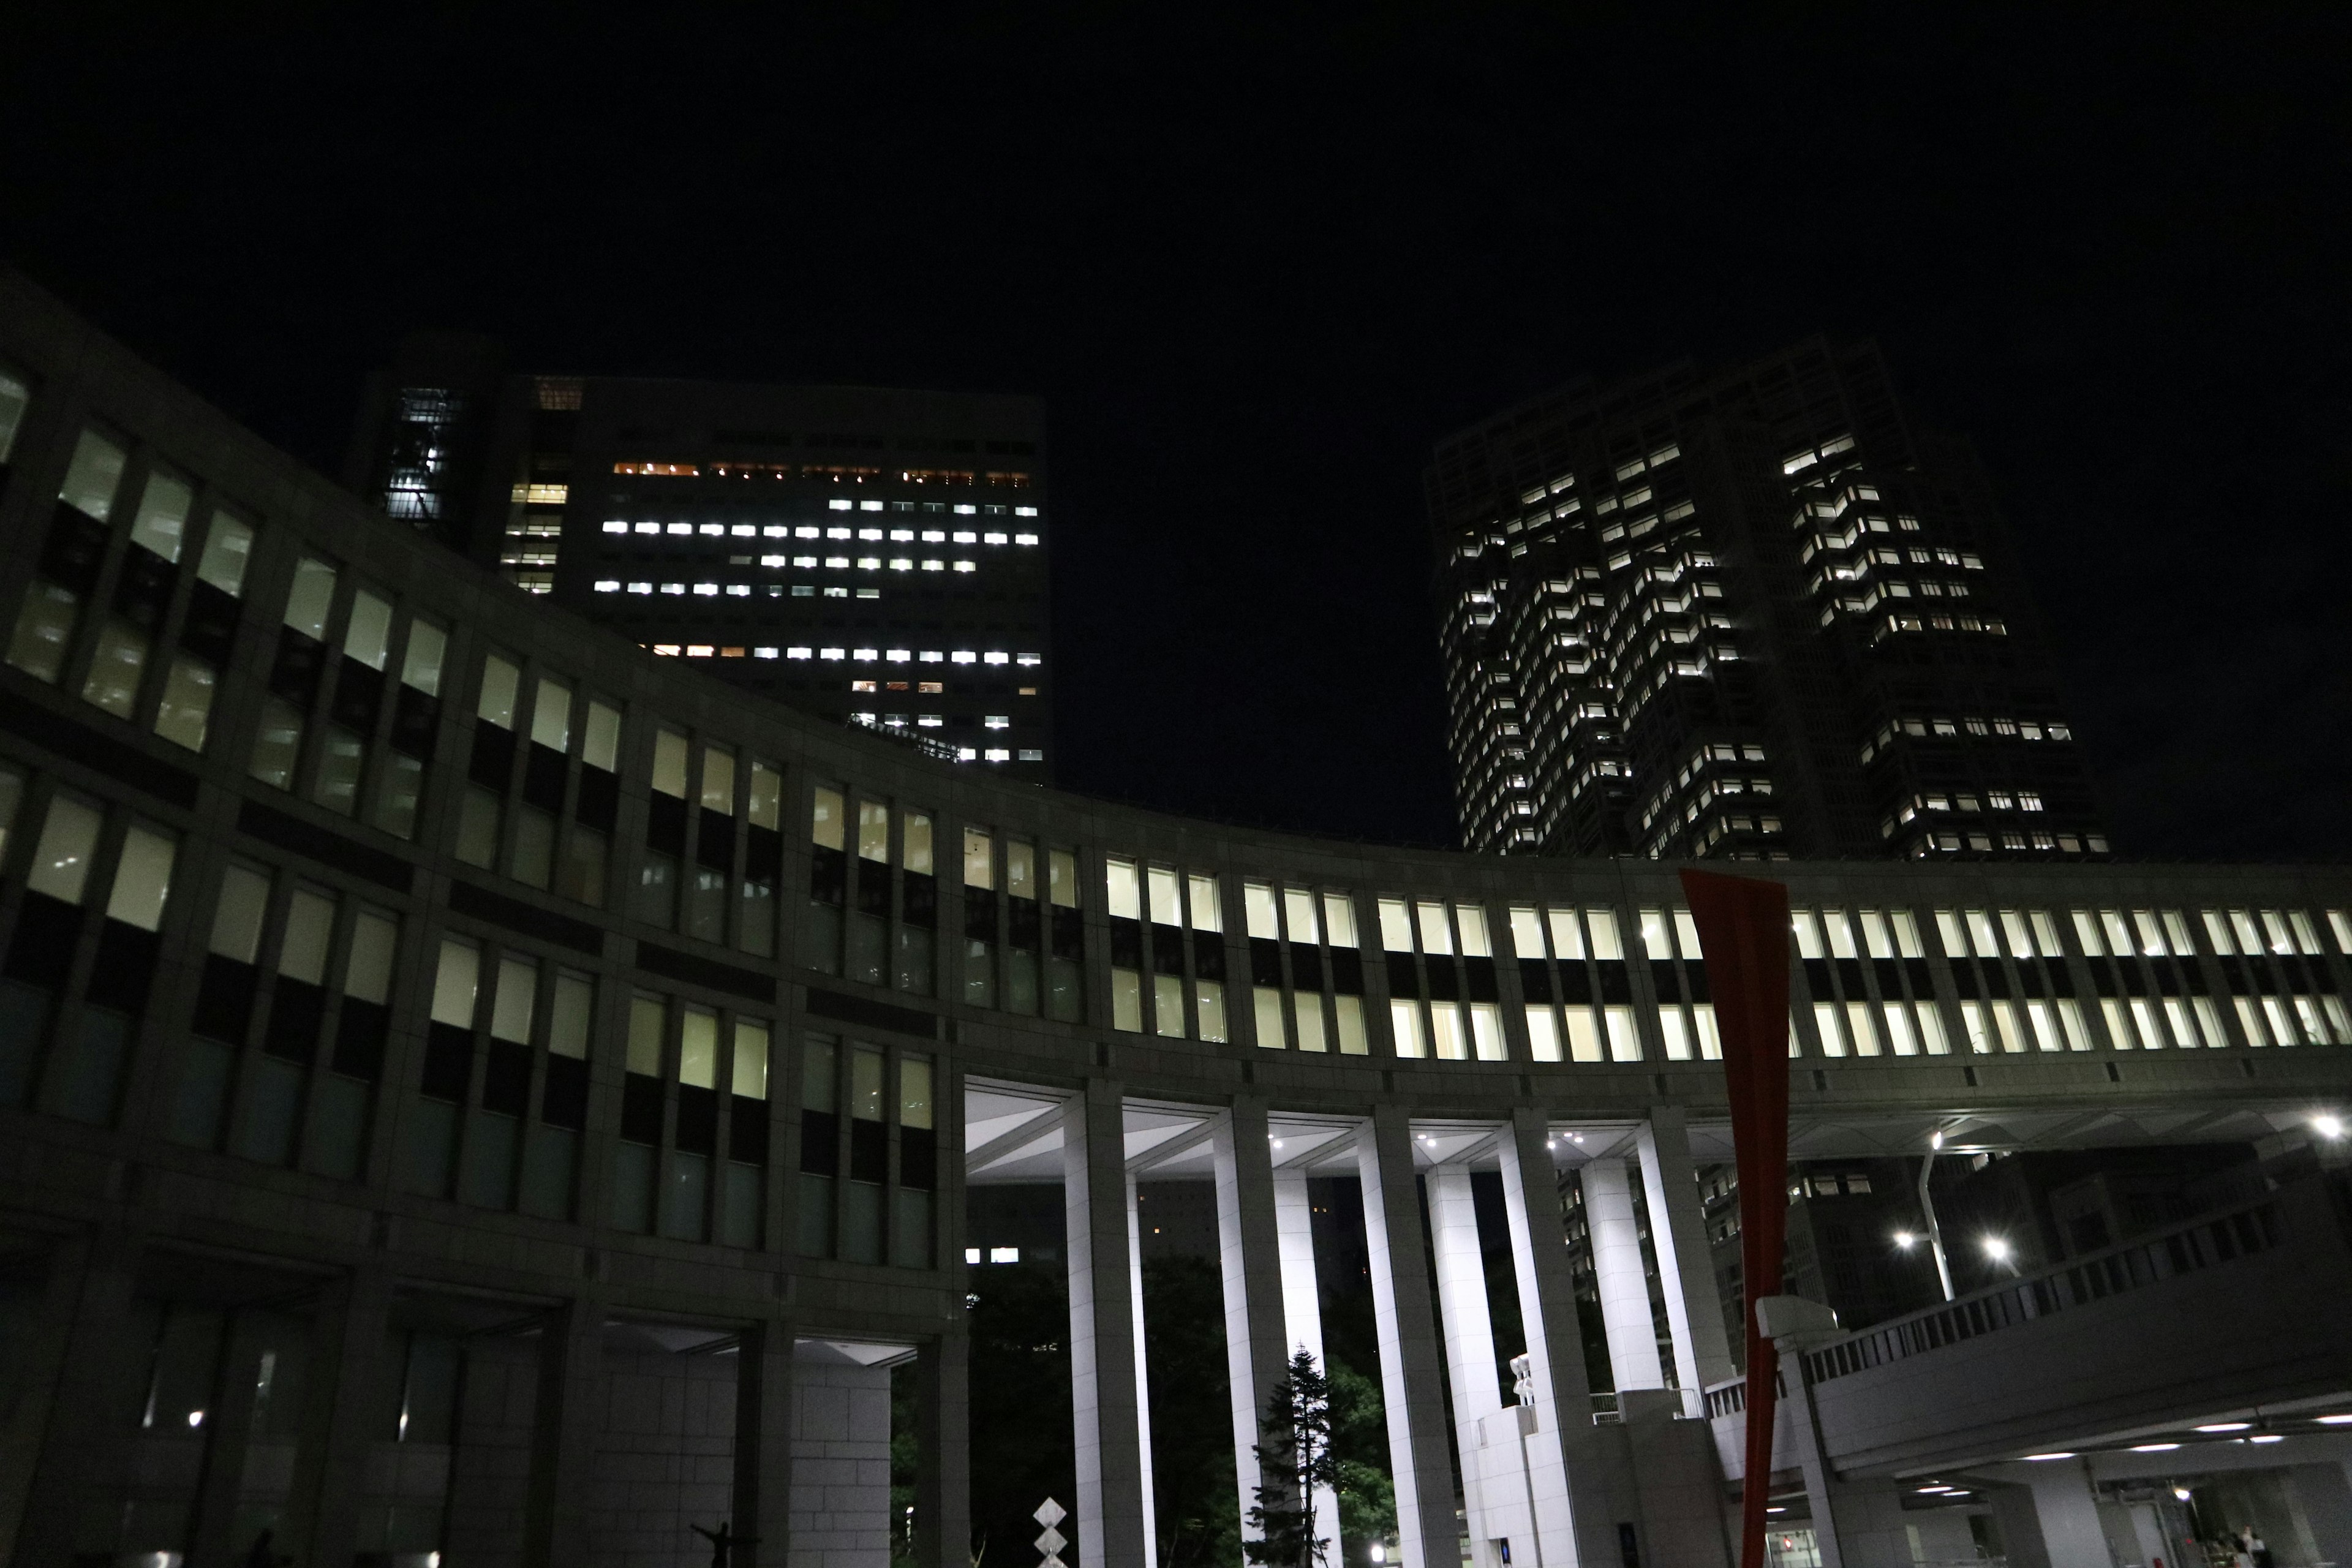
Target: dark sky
[(1258, 261)]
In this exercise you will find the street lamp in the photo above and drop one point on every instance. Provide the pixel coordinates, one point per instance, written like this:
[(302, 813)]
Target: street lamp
[(2328, 1125)]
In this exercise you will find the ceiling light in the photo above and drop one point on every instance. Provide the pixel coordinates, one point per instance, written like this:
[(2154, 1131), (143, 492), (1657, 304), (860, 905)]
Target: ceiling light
[(1905, 1238), (1996, 1249), (2267, 1437), (2327, 1126), (2038, 1457), (2181, 1492), (2336, 1421), (2225, 1427), (2154, 1448)]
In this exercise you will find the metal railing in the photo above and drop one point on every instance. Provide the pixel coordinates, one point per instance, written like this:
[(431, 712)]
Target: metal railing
[(2204, 1243)]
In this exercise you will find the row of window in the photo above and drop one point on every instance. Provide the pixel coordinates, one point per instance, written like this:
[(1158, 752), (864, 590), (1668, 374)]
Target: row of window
[(804, 530)]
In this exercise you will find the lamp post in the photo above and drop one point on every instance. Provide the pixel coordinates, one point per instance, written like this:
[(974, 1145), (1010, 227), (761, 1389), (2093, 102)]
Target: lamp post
[(1928, 1209)]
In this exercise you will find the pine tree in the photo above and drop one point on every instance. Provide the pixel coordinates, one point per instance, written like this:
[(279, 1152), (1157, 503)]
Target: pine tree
[(1294, 1460)]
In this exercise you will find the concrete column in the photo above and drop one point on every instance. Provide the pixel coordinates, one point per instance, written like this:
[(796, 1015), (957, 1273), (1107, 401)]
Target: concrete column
[(1112, 1437), (86, 1448), (341, 1406), (1624, 1284), (760, 1509), (1142, 1377), (1468, 1323), (228, 1433), (943, 1436), (565, 1421), (1686, 1268), (2064, 1517), (1250, 1258), (1565, 1473), (43, 1345), (1302, 1309), (2325, 1493), (1408, 1337)]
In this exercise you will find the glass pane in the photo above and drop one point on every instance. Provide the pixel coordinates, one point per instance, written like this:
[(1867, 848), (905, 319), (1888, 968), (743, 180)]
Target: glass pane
[(312, 597), (15, 392), (718, 779), (185, 712), (43, 631), (237, 919), (647, 1015), (1122, 889), (1527, 939), (572, 1016), (113, 684), (1166, 902), (454, 982), (277, 743), (1475, 942), (501, 681), (751, 1065), (367, 635), (1020, 868), (873, 831), (917, 852), (428, 645), (551, 716), (162, 519), (369, 974), (61, 860), (820, 1062), (229, 551), (309, 927), (1338, 920), (1207, 914), (142, 878), (1298, 915), (698, 1048), (866, 1083), (1436, 934), (1396, 926), (915, 1091), (1567, 936), (92, 476), (600, 746), (1062, 878), (1602, 925), (518, 998), (979, 865), (826, 829)]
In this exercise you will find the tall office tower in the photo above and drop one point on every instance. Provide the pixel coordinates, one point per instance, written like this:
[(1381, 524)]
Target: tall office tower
[(874, 555), (1749, 614)]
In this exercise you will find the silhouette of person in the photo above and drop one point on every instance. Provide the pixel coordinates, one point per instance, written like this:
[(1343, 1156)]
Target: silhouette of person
[(723, 1542)]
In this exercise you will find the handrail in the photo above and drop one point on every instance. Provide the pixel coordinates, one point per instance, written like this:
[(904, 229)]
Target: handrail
[(2206, 1242)]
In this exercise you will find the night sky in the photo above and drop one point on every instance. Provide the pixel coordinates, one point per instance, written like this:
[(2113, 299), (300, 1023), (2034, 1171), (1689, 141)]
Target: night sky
[(1256, 263)]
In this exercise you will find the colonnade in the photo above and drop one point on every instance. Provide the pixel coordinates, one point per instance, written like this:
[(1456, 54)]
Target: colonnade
[(1538, 1471)]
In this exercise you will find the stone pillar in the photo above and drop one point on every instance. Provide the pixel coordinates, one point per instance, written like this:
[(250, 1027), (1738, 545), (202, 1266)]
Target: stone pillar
[(943, 1435), (1302, 1309), (1685, 1267), (43, 1345), (1566, 1489), (760, 1509), (1250, 1258), (1112, 1437), (2324, 1490), (228, 1433), (87, 1446), (1624, 1284), (1468, 1327), (565, 1421), (341, 1408), (1408, 1338)]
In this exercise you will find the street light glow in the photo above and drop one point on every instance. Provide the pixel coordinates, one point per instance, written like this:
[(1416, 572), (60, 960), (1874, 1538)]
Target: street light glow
[(2327, 1126), (1996, 1249)]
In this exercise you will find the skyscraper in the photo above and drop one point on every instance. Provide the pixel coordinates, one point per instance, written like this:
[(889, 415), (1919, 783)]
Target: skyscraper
[(1753, 613), (877, 556)]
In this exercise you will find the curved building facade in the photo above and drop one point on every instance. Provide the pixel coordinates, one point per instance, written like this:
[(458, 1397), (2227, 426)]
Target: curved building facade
[(472, 1086)]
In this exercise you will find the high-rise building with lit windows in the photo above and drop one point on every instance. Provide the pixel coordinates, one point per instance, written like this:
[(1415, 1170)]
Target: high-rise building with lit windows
[(874, 555), (1749, 613)]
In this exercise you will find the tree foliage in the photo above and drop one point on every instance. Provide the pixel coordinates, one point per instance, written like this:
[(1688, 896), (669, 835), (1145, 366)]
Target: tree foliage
[(1294, 1459)]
